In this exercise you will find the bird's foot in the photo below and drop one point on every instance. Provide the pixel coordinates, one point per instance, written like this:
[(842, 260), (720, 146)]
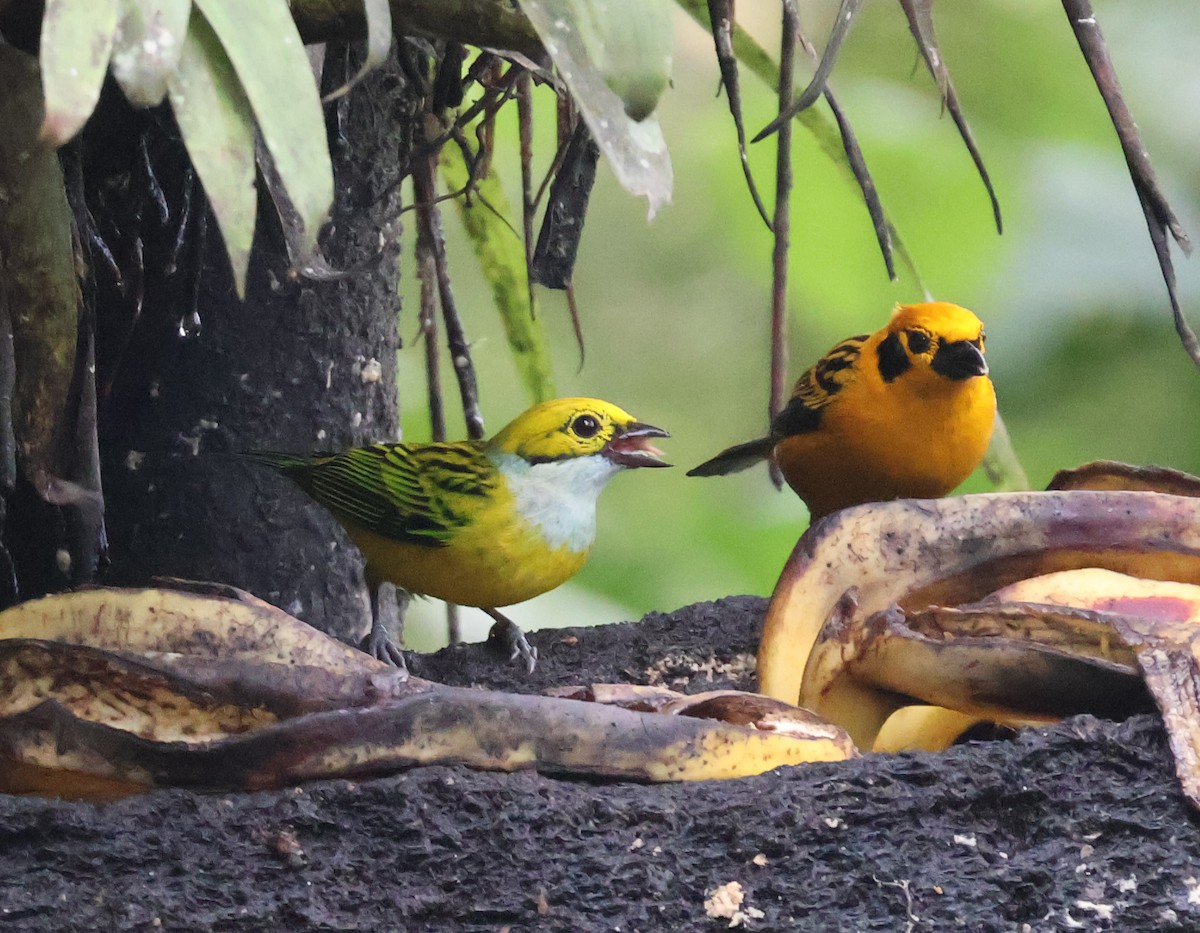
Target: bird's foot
[(379, 645), (506, 635)]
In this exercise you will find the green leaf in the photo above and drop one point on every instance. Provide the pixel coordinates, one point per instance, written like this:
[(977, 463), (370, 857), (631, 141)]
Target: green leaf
[(1001, 463), (634, 148), (502, 260), (37, 273), (379, 43), (631, 42), (76, 43), (268, 56), (218, 129), (147, 48)]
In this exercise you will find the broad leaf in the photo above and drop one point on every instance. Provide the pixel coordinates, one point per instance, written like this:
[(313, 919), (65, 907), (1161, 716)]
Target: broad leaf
[(37, 274), (218, 129), (261, 41), (379, 43), (635, 149), (148, 45), (76, 42)]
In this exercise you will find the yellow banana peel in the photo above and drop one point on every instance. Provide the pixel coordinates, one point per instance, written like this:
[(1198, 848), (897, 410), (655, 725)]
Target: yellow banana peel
[(106, 692), (908, 622)]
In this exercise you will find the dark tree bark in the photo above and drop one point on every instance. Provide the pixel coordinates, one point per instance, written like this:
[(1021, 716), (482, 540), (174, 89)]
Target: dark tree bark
[(299, 365)]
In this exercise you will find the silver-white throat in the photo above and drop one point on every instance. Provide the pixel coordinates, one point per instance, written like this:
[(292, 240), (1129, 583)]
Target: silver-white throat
[(559, 498)]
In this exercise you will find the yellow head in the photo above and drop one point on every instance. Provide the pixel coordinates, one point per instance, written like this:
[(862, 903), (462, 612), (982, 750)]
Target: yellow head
[(930, 343), (570, 428)]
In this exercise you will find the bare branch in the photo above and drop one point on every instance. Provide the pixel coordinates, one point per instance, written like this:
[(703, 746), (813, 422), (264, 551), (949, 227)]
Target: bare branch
[(1160, 218), (720, 15), (848, 10), (429, 217), (920, 24), (781, 223)]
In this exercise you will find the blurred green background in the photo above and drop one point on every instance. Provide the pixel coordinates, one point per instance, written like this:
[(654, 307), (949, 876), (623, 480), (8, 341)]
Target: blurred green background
[(676, 310)]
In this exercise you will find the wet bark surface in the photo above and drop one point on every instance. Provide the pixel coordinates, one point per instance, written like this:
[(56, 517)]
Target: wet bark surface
[(300, 365), (1079, 826)]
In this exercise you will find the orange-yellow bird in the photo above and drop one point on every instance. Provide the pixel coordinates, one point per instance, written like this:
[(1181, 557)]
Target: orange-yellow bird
[(904, 412)]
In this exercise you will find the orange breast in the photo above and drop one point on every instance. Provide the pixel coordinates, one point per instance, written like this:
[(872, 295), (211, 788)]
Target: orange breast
[(879, 442)]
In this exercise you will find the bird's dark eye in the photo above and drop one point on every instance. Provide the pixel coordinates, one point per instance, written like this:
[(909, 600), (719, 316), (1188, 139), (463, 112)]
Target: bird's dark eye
[(585, 426), (918, 341)]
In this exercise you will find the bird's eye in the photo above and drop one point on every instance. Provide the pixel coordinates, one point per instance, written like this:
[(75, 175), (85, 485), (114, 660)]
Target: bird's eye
[(585, 426), (918, 341)]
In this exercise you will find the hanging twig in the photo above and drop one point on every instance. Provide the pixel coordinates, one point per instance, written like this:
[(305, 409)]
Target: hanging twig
[(847, 11), (576, 324), (485, 127), (565, 124), (476, 169), (920, 24), (87, 533), (781, 223), (489, 101), (866, 184), (525, 131), (885, 233), (429, 217), (720, 15), (427, 274), (1160, 218)]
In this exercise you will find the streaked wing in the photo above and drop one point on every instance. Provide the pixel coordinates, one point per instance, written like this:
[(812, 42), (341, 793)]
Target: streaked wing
[(819, 383), (419, 493)]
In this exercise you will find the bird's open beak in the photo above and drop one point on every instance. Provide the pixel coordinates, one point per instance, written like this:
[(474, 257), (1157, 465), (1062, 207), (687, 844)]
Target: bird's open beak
[(631, 446), (961, 359)]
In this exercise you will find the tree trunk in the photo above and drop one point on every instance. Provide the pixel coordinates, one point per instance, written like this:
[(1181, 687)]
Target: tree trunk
[(299, 365)]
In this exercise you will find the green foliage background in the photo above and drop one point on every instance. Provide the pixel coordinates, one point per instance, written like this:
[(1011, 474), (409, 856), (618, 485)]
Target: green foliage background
[(675, 311)]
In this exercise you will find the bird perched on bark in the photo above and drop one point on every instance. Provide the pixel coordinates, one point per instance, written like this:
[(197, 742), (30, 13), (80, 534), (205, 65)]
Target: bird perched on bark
[(478, 523), (904, 412)]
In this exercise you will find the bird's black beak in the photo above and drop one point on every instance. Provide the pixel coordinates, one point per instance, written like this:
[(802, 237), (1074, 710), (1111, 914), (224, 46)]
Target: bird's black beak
[(961, 359), (630, 446)]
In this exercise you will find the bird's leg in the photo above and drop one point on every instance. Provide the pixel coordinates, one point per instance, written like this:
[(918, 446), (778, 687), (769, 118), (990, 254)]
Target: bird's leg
[(378, 642), (508, 635)]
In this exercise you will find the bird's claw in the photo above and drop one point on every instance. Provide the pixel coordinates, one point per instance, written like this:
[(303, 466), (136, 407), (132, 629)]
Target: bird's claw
[(505, 633), (379, 645)]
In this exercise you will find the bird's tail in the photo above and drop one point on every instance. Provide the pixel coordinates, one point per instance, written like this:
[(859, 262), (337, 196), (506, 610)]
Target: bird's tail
[(283, 462), (737, 458)]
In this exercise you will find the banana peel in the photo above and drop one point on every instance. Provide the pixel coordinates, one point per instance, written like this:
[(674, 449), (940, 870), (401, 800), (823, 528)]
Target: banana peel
[(947, 552), (986, 662), (106, 692), (199, 620), (1015, 608), (935, 728), (1111, 475)]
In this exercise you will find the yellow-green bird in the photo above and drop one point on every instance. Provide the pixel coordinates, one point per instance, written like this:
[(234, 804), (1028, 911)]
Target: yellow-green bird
[(478, 523)]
